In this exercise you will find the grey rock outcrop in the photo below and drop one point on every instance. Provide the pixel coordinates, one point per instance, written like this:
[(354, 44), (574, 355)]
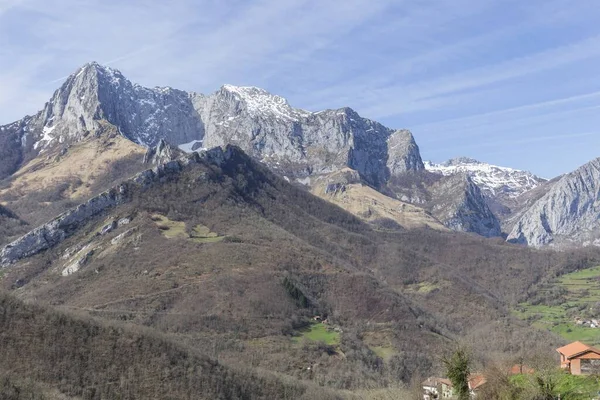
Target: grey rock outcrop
[(505, 189), (162, 153), (568, 214), (403, 153), (58, 229), (461, 206), (294, 142), (61, 227)]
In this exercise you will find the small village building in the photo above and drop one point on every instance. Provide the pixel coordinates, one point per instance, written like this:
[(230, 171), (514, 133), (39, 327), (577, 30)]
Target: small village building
[(441, 388), (437, 388), (476, 381), (431, 388), (580, 359)]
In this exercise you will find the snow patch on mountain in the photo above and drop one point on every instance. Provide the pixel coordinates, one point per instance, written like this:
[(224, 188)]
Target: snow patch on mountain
[(194, 145), (260, 102), (46, 138), (493, 179)]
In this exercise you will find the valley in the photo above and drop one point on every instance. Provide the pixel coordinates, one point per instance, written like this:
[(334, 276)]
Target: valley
[(296, 254)]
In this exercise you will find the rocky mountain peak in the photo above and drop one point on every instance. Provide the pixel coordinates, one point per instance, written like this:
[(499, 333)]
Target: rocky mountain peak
[(403, 153), (260, 103), (461, 161), (292, 141), (493, 180), (567, 214), (162, 153)]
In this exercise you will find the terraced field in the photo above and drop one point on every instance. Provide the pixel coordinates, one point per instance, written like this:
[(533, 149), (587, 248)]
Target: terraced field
[(577, 296)]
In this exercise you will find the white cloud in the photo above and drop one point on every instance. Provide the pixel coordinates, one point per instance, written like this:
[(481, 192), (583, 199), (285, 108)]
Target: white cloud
[(528, 114), (422, 96), (436, 59)]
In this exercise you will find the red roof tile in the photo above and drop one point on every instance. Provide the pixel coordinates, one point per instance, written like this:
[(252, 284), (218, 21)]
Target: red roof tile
[(573, 349), (476, 380)]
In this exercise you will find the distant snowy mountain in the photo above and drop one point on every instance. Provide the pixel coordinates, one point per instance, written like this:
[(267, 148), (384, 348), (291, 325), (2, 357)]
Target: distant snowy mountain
[(506, 190), (493, 180)]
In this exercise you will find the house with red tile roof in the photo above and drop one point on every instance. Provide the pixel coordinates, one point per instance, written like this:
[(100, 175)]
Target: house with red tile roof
[(437, 388), (580, 359), (441, 388)]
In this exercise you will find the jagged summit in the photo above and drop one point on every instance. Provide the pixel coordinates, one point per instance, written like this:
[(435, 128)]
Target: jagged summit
[(492, 179), (568, 214), (261, 103), (460, 161), (295, 142), (95, 66)]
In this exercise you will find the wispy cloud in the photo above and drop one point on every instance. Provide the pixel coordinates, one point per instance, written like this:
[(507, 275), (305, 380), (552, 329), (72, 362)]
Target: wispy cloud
[(515, 110), (513, 142), (451, 70), (415, 97), (6, 5)]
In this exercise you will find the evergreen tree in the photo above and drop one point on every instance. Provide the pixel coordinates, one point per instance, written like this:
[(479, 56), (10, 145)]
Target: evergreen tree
[(458, 370)]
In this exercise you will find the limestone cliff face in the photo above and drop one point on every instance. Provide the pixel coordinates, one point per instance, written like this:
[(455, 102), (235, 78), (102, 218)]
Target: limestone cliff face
[(461, 206), (100, 93), (57, 230), (298, 143), (403, 153), (295, 142), (568, 214)]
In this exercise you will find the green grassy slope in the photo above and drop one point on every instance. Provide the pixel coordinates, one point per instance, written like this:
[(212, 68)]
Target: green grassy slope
[(564, 300)]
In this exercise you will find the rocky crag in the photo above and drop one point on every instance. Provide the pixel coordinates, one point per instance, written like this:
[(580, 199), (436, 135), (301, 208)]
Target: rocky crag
[(568, 214), (295, 142), (505, 190)]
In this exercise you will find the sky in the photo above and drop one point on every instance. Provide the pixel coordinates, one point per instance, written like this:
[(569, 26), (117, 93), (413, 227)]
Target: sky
[(510, 82)]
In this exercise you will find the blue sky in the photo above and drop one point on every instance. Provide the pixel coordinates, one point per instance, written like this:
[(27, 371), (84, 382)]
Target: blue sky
[(514, 83)]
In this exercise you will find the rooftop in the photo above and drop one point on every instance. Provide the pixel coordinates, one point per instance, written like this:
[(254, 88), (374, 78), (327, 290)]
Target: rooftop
[(576, 348)]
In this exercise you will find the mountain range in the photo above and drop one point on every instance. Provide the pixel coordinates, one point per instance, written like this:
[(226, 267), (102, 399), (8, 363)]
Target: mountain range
[(229, 245), (306, 147)]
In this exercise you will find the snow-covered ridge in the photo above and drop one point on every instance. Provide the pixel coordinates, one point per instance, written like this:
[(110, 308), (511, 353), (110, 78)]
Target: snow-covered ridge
[(493, 179), (260, 102)]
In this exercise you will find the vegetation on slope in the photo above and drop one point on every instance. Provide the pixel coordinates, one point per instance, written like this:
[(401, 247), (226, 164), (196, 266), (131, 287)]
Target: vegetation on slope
[(399, 297), (90, 360), (560, 303), (319, 333), (65, 176)]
